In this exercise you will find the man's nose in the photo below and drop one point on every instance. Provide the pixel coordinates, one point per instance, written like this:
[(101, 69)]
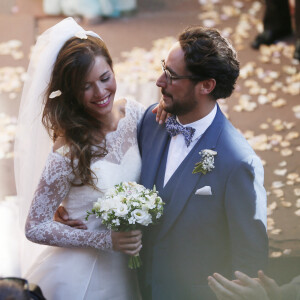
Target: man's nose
[(161, 81)]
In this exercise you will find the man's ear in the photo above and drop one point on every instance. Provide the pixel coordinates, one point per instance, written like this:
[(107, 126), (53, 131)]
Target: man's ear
[(205, 87)]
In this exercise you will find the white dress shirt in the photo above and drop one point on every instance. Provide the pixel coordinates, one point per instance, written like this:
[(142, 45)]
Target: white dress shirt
[(178, 149)]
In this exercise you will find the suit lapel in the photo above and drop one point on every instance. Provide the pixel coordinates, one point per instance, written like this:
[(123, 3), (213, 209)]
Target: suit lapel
[(186, 182), (154, 156)]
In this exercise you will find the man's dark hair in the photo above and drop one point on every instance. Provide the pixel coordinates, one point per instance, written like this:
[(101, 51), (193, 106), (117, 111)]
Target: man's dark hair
[(209, 55)]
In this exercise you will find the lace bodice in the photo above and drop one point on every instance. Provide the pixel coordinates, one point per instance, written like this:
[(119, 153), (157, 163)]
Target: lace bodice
[(123, 163)]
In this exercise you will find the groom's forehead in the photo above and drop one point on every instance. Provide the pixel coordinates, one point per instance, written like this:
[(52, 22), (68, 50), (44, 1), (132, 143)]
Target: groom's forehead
[(174, 48), (175, 59)]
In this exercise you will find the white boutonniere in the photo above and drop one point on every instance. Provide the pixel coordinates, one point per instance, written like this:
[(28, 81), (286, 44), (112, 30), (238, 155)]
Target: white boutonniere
[(206, 164)]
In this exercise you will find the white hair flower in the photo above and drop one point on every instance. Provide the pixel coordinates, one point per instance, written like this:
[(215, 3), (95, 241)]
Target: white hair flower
[(81, 35), (55, 94)]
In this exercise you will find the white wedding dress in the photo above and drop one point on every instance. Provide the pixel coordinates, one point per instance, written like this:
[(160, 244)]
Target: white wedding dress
[(80, 264)]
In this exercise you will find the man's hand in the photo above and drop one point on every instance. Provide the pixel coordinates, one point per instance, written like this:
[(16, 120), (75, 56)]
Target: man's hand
[(270, 285), (127, 242), (245, 289), (62, 216)]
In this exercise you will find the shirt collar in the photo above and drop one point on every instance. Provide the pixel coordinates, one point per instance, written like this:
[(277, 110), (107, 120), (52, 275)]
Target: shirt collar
[(202, 124)]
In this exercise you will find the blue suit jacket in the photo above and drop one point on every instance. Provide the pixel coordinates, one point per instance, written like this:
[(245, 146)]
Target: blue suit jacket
[(203, 234)]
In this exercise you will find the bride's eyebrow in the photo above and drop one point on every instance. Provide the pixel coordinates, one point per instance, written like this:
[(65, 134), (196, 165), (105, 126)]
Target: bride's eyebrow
[(103, 74)]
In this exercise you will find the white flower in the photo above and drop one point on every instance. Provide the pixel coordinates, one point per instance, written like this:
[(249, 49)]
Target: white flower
[(116, 222), (131, 220), (209, 152), (55, 94), (121, 210), (81, 35), (141, 217), (207, 162), (97, 206)]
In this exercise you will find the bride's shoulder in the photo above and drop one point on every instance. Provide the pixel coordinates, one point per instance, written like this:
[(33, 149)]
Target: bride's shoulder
[(130, 108), (120, 105), (60, 146)]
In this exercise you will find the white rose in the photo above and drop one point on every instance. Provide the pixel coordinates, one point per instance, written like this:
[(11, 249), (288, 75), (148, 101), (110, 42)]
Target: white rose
[(121, 210), (141, 217)]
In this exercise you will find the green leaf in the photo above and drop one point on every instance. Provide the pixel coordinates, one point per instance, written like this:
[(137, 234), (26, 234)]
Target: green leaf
[(198, 169)]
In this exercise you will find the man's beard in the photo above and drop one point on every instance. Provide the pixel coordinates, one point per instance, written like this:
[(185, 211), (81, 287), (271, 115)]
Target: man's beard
[(176, 108)]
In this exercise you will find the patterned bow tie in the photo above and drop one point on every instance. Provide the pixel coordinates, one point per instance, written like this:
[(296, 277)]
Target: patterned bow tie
[(174, 128)]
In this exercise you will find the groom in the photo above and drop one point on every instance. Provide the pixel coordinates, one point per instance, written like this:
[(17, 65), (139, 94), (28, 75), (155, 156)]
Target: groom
[(214, 219)]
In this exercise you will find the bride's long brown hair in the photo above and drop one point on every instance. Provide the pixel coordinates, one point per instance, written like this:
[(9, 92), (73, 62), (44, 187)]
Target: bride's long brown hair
[(66, 115)]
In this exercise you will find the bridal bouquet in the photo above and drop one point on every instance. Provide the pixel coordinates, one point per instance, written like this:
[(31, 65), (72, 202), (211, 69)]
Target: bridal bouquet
[(126, 207)]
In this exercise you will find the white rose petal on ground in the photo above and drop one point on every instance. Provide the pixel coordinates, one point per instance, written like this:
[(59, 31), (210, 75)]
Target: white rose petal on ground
[(282, 164), (276, 231), (276, 254), (280, 172), (277, 184), (286, 152), (278, 193), (287, 251), (286, 204), (297, 192), (297, 212)]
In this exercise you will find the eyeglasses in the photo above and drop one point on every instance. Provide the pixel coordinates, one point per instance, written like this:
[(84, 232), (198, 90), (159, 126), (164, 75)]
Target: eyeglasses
[(170, 77)]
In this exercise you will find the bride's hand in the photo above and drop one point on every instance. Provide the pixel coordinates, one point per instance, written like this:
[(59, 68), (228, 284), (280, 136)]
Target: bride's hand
[(129, 242), (161, 114), (62, 216)]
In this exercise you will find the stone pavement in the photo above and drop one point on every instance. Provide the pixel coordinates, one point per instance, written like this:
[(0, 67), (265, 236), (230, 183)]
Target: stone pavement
[(264, 106)]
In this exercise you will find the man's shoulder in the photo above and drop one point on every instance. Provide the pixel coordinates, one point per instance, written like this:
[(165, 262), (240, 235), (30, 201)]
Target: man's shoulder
[(149, 116), (234, 144)]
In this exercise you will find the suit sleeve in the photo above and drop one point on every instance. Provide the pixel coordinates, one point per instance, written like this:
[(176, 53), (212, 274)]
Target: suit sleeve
[(245, 203), (291, 290), (141, 124)]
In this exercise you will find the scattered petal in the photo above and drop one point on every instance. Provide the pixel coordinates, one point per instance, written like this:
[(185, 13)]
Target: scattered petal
[(286, 204), (297, 192), (297, 212), (282, 164), (280, 172), (277, 184), (276, 231), (286, 152), (287, 251), (276, 254)]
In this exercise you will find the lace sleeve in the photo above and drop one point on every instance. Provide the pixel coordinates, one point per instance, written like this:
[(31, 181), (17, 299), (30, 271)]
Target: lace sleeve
[(40, 227)]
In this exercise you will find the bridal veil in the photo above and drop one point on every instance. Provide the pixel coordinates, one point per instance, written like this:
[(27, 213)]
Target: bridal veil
[(33, 144)]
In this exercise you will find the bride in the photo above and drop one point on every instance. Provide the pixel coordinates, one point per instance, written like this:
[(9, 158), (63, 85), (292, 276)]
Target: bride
[(95, 147)]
